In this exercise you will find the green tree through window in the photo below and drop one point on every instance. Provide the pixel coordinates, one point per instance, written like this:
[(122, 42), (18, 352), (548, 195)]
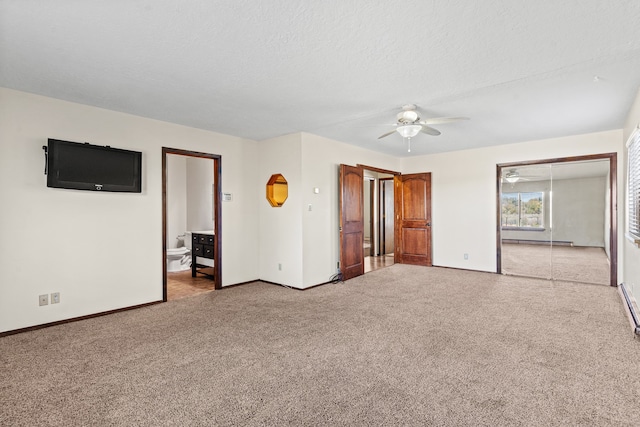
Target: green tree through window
[(522, 210)]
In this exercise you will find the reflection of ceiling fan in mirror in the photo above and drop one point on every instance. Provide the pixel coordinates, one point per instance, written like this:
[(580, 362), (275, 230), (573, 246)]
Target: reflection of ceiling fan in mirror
[(512, 176), (409, 124)]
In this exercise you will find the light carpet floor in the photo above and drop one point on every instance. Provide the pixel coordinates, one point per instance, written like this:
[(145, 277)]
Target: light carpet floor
[(568, 263), (404, 345)]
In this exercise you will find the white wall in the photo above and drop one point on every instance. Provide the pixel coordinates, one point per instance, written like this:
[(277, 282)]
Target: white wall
[(176, 199), (280, 238), (465, 179), (199, 193), (101, 251), (631, 252)]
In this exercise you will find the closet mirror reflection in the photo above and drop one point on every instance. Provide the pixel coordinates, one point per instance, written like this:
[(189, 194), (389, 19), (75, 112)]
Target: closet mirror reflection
[(555, 220)]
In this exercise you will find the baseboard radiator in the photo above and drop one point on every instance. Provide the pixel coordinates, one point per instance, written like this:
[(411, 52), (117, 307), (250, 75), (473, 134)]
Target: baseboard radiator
[(538, 242), (632, 311)]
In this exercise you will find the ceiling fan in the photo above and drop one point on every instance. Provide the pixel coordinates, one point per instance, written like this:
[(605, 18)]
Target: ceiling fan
[(409, 124)]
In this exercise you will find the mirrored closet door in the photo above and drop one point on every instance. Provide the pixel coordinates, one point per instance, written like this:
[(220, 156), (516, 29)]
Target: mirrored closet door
[(555, 221)]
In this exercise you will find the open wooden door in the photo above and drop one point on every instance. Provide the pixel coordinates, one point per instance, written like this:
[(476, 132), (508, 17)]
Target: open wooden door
[(413, 219), (351, 221)]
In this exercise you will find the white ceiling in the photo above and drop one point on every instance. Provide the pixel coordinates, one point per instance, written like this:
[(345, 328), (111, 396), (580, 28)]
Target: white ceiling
[(521, 70)]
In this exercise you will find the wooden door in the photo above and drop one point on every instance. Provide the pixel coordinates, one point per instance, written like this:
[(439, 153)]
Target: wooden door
[(351, 221), (413, 219)]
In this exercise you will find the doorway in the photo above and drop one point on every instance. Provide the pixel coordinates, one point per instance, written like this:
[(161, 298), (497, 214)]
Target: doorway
[(411, 219), (191, 196), (557, 219), (378, 220)]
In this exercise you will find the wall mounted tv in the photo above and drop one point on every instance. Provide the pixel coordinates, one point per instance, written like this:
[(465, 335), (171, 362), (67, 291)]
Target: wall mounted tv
[(92, 167)]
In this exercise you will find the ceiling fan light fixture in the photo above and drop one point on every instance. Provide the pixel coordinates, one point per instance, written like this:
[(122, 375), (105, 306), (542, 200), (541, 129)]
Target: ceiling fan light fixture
[(408, 131), (407, 116), (512, 179), (409, 124)]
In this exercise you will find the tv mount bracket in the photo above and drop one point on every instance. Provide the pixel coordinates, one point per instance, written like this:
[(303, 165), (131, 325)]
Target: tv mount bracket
[(46, 158)]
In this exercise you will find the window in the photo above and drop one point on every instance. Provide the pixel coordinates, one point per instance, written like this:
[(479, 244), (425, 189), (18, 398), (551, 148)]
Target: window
[(522, 210), (633, 185)]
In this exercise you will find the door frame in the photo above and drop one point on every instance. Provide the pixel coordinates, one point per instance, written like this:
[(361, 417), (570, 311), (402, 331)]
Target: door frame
[(613, 204), (374, 169), (388, 172), (381, 215), (217, 223), (371, 207)]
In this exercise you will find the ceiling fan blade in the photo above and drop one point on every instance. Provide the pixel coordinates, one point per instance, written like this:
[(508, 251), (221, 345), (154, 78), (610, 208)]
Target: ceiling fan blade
[(429, 130), (386, 134), (441, 120)]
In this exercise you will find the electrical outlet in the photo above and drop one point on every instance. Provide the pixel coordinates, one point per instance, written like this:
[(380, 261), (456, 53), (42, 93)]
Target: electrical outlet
[(466, 256), (55, 298), (279, 267), (43, 299)]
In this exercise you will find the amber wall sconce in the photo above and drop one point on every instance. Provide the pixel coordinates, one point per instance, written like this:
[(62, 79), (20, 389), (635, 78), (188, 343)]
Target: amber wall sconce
[(277, 190)]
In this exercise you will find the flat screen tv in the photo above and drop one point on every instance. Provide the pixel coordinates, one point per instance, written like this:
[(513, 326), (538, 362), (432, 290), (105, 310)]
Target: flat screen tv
[(92, 167)]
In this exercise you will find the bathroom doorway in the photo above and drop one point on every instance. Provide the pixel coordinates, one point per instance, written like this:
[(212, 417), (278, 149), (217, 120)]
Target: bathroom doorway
[(191, 196)]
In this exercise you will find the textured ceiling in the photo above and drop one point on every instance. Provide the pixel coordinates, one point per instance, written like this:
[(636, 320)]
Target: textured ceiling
[(520, 70)]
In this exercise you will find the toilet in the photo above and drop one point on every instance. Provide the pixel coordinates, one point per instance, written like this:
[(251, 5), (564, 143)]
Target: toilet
[(179, 259)]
